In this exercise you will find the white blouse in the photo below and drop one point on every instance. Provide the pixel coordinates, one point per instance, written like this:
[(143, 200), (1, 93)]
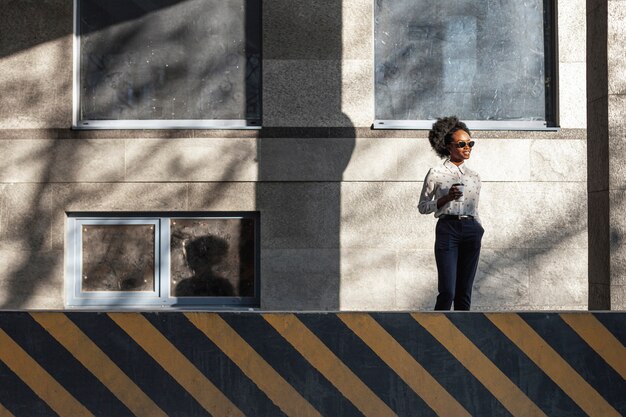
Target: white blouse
[(437, 184)]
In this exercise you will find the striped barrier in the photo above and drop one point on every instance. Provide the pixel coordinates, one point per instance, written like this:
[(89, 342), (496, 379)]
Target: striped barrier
[(312, 364)]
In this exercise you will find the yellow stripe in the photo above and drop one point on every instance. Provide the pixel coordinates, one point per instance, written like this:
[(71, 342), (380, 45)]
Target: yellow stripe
[(176, 364), (329, 365), (511, 397), (4, 412), (98, 363), (253, 365), (599, 338), (398, 359), (39, 380), (552, 364)]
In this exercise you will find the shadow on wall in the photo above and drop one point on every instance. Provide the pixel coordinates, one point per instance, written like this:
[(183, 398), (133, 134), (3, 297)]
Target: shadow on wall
[(304, 148), (41, 179), (300, 170)]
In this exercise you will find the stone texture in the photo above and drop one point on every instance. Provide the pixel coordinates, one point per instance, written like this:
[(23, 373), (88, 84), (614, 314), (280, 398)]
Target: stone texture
[(357, 36), (111, 197), (298, 29), (617, 236), (572, 30), (502, 280), (488, 151), (415, 157), (617, 117), (368, 279), (25, 160), (617, 170), (384, 215), (416, 280), (616, 34), (303, 93), (618, 297), (299, 215), (32, 280), (25, 217), (191, 160), (558, 160), (304, 159), (357, 91), (300, 279), (558, 278), (572, 95), (534, 215), (62, 160), (222, 196), (36, 83)]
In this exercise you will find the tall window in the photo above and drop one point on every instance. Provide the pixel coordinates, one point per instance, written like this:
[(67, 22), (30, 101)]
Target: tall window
[(167, 64), (491, 62), (162, 260)]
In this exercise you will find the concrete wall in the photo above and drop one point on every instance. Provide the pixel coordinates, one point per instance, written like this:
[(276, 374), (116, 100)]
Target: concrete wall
[(340, 228)]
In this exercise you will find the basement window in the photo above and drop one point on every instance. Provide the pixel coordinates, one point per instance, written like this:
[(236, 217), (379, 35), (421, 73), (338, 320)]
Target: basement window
[(167, 260)]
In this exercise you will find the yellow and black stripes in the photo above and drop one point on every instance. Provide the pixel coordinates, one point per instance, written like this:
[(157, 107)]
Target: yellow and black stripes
[(312, 364)]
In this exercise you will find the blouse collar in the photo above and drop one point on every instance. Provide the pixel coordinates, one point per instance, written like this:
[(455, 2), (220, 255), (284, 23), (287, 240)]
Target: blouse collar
[(452, 167)]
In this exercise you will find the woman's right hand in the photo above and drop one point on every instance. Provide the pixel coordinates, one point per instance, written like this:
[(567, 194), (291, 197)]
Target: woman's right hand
[(453, 194)]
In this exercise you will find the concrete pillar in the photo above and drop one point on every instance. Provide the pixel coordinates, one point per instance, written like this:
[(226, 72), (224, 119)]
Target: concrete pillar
[(606, 153)]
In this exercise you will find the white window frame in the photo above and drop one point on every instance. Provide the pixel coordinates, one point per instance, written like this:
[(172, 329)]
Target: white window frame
[(161, 297), (86, 124)]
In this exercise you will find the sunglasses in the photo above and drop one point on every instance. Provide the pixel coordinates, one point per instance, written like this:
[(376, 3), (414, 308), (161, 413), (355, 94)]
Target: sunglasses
[(462, 144)]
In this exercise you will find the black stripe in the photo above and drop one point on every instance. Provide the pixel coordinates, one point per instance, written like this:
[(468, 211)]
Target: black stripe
[(614, 323), (515, 364), (575, 351), (366, 364), (440, 363), (18, 398), (214, 364), (138, 365), (64, 368), (296, 370)]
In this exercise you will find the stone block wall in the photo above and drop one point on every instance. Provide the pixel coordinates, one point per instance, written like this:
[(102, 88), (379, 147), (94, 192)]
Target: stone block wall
[(339, 224)]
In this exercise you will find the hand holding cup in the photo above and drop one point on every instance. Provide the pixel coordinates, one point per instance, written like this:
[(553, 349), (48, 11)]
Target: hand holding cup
[(456, 192)]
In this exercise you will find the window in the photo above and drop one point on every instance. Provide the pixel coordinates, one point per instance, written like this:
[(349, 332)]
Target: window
[(162, 260), (167, 64), (490, 62)]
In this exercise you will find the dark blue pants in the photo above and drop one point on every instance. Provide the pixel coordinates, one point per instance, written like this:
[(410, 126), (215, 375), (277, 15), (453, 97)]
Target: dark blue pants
[(457, 249)]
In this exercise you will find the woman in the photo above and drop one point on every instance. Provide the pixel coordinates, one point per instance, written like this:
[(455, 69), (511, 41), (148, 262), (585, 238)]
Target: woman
[(451, 191)]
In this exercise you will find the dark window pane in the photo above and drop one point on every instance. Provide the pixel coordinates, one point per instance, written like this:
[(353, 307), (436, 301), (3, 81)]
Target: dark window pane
[(212, 257), (118, 258), (170, 59), (478, 59)]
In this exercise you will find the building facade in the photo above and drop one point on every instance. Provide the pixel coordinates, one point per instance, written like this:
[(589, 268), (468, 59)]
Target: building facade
[(336, 199)]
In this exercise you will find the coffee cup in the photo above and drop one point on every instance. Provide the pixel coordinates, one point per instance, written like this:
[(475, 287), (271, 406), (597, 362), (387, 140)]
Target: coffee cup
[(461, 188)]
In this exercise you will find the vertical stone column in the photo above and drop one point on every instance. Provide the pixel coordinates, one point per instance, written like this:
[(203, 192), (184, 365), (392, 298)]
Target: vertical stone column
[(606, 153)]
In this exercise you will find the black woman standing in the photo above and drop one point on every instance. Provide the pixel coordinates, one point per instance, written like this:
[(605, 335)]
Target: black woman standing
[(451, 191)]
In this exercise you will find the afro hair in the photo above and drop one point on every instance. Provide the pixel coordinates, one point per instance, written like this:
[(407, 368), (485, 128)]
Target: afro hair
[(441, 134)]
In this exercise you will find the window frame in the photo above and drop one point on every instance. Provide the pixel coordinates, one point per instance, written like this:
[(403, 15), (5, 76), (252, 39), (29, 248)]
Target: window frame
[(552, 99), (161, 297), (127, 124)]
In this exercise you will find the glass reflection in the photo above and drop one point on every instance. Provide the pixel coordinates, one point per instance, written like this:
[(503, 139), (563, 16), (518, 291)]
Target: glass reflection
[(118, 258), (212, 257)]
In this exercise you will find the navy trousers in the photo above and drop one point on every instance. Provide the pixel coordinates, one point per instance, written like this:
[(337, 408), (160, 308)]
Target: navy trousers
[(457, 249)]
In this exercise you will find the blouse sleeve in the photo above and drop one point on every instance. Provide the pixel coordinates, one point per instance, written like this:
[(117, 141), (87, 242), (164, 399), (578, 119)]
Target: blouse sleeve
[(477, 216), (428, 203)]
